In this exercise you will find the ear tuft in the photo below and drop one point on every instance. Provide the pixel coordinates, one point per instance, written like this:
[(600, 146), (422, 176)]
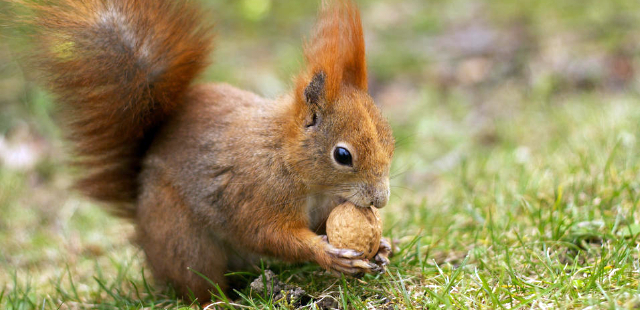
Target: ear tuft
[(336, 48), (315, 90)]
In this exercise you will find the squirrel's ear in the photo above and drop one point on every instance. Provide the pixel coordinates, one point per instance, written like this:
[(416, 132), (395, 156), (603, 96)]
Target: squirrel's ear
[(315, 89), (336, 49)]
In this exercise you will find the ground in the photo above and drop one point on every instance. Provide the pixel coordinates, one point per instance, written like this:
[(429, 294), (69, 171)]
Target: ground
[(516, 180)]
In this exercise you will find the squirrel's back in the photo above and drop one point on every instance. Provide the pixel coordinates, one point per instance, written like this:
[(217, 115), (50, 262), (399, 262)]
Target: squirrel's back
[(118, 68)]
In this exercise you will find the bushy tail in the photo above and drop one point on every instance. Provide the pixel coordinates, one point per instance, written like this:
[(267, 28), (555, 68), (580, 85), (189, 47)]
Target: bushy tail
[(117, 69)]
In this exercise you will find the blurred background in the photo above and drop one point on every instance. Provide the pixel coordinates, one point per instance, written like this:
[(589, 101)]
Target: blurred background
[(523, 84)]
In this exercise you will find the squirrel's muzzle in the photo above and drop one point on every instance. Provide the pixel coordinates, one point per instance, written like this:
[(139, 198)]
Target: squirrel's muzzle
[(378, 193)]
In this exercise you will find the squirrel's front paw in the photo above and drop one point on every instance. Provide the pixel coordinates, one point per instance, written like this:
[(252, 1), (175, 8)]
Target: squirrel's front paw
[(345, 261), (384, 251)]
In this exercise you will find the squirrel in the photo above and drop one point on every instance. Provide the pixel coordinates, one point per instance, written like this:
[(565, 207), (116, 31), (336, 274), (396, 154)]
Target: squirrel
[(214, 177)]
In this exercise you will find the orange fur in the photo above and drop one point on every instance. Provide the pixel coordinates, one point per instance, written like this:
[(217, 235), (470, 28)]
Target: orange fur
[(217, 177), (117, 68), (337, 49)]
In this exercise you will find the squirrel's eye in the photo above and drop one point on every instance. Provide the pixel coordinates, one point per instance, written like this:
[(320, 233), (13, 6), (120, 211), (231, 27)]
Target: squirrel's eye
[(342, 156)]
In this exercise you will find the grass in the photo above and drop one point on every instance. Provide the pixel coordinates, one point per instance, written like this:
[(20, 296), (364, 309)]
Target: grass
[(516, 181), (538, 219)]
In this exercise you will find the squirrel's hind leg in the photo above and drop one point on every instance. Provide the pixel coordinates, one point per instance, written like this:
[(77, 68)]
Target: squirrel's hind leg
[(174, 245)]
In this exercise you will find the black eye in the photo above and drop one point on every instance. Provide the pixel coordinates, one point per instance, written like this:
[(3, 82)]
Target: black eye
[(342, 156)]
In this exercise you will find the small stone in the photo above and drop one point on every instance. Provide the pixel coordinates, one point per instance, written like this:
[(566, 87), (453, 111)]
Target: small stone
[(277, 289), (327, 303), (273, 284)]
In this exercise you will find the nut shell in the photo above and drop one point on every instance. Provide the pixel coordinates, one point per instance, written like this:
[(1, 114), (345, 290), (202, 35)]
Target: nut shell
[(356, 228)]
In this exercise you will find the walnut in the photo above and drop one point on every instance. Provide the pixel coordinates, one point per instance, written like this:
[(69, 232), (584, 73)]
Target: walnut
[(356, 228)]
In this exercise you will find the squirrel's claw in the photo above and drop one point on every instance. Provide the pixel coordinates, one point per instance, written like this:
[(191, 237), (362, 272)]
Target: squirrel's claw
[(344, 253), (384, 251), (354, 267), (347, 261)]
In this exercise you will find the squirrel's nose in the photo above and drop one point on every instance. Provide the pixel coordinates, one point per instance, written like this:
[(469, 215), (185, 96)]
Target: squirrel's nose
[(380, 201), (379, 194)]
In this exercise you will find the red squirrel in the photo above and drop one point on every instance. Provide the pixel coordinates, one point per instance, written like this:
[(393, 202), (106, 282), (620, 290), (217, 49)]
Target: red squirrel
[(214, 177)]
